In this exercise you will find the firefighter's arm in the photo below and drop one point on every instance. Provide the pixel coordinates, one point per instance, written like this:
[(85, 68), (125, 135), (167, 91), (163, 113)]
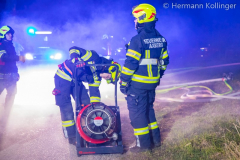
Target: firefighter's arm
[(164, 61), (90, 56), (6, 57), (132, 60), (82, 75)]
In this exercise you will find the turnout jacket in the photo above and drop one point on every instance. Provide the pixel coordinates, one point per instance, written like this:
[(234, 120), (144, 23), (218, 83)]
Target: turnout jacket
[(146, 58), (8, 57), (91, 74)]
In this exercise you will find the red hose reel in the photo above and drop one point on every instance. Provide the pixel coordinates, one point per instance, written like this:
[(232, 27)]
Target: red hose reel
[(96, 123)]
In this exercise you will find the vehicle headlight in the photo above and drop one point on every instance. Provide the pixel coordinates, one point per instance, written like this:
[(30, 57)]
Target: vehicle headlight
[(56, 56), (29, 56)]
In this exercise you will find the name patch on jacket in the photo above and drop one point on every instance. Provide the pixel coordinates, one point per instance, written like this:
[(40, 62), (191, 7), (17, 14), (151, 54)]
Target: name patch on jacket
[(155, 42)]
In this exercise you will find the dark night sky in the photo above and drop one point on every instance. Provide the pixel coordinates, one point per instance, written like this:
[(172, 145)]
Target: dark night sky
[(185, 29)]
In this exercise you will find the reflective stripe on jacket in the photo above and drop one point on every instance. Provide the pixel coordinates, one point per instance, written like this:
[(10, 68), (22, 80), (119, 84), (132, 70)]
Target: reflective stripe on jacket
[(146, 58)]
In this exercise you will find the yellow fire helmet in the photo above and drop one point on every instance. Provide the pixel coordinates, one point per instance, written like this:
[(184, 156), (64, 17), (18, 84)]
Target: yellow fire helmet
[(144, 13), (4, 30)]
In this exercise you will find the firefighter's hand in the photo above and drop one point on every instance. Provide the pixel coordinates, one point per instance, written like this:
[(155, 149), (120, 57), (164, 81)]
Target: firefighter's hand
[(80, 64), (22, 59), (106, 76), (161, 73), (123, 89)]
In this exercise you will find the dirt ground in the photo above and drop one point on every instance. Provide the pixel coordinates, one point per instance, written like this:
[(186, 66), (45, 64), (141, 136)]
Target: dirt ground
[(34, 127)]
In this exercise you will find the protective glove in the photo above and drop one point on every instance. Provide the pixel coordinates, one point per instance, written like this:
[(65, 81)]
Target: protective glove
[(80, 64), (123, 88), (161, 73)]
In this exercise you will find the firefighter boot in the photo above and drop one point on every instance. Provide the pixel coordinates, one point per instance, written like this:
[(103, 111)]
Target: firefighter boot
[(72, 141)]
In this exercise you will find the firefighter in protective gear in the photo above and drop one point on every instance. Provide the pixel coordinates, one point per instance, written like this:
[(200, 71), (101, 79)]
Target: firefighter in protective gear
[(146, 61), (91, 57), (64, 86), (8, 68), (64, 89)]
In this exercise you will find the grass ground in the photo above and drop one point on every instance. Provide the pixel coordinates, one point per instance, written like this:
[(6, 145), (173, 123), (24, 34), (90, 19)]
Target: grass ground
[(219, 139)]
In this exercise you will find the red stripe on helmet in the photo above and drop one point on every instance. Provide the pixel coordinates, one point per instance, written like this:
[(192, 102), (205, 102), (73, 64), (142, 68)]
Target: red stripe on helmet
[(138, 11), (153, 14)]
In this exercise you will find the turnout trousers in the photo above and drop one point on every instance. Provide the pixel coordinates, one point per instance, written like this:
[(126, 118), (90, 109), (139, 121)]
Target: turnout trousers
[(65, 90), (142, 116)]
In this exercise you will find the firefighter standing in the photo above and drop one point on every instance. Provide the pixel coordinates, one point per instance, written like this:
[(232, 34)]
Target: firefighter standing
[(8, 68), (145, 63), (64, 85)]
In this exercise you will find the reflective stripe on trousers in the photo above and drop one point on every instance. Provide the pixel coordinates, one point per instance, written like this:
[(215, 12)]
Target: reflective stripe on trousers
[(141, 131), (95, 84), (95, 99), (152, 125), (68, 123)]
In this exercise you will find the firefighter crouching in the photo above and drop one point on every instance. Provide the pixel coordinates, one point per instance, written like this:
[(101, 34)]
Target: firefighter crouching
[(64, 85), (145, 63), (8, 68)]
